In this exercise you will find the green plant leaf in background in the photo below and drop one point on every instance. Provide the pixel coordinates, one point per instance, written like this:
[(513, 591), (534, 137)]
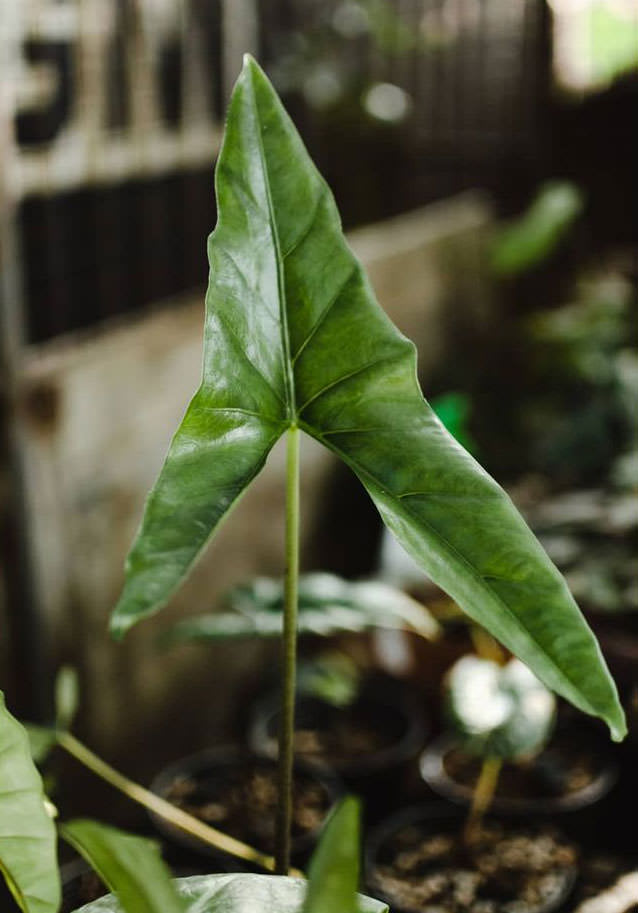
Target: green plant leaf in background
[(28, 842), (42, 740), (131, 866), (295, 337), (498, 711), (333, 878), (240, 893), (332, 677), (527, 241), (453, 410), (67, 697), (327, 605)]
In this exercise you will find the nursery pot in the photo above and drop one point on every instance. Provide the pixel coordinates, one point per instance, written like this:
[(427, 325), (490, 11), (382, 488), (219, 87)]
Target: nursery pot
[(80, 885), (557, 781), (373, 744), (236, 792), (417, 860)]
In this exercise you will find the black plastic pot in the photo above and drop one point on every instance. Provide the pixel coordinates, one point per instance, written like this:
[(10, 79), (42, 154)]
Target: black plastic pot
[(440, 821), (433, 771), (80, 885), (209, 771), (381, 777)]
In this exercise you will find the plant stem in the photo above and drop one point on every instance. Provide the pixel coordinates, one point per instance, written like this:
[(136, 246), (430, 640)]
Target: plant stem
[(483, 795), (289, 655), (161, 807)]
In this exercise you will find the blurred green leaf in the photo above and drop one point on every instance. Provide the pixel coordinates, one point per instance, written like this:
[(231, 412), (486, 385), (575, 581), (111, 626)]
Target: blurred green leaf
[(238, 894), (533, 237), (334, 678), (327, 605), (28, 842), (333, 878), (67, 696), (41, 741), (498, 711), (131, 867), (453, 409), (294, 337)]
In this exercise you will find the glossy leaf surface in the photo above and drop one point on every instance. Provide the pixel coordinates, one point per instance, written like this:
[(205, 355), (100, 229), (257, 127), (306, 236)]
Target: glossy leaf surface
[(237, 894), (327, 605), (28, 842), (294, 336), (131, 867)]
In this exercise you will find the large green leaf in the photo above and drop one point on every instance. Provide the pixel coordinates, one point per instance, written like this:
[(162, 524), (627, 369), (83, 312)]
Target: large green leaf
[(28, 857), (333, 878), (294, 336), (131, 866), (238, 894), (327, 605)]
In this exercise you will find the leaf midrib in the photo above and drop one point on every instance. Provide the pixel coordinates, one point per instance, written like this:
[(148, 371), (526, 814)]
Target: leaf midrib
[(289, 383)]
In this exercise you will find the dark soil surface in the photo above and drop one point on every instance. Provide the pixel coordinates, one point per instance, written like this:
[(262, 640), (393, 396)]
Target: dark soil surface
[(341, 735), (241, 800), (566, 766), (599, 872), (504, 871)]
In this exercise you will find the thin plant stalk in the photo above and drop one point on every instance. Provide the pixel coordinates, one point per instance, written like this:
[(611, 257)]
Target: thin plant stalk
[(486, 646), (289, 656), (482, 798), (181, 819)]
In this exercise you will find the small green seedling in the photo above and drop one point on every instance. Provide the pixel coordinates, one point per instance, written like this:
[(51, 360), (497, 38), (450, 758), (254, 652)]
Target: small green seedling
[(500, 713), (332, 677)]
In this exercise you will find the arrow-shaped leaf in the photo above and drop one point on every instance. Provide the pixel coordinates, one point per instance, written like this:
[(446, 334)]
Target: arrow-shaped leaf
[(28, 842), (294, 336)]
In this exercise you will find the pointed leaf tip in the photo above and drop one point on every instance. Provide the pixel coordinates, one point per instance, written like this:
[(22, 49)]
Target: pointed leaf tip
[(618, 729)]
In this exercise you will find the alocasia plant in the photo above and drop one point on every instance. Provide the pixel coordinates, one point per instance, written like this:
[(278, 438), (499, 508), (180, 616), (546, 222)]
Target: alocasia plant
[(294, 340), (498, 712)]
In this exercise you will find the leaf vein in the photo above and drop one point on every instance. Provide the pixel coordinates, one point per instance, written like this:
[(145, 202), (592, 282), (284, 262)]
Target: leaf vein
[(307, 228), (346, 377), (221, 317), (342, 286), (562, 673)]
